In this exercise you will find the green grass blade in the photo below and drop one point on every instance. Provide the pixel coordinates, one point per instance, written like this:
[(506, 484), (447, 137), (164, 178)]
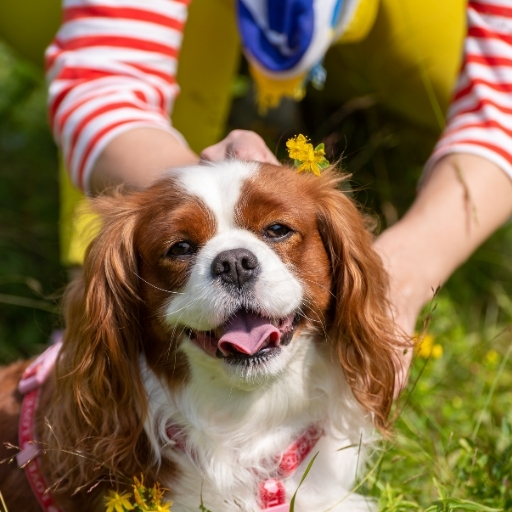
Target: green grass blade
[(310, 465)]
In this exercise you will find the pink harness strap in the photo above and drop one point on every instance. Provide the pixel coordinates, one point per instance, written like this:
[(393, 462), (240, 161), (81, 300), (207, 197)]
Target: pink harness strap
[(271, 492), (30, 386)]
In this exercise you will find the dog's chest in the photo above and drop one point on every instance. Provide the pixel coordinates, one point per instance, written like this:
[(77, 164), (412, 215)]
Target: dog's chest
[(228, 487), (229, 443)]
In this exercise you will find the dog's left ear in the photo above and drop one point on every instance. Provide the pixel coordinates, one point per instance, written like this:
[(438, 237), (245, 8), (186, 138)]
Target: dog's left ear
[(362, 333)]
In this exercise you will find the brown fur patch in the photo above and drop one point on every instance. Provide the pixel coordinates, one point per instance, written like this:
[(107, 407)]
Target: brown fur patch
[(13, 483)]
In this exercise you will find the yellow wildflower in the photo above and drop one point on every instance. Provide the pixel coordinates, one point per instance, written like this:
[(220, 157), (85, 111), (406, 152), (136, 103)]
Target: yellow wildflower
[(305, 156), (149, 500), (492, 357), (118, 502), (138, 489), (158, 492), (165, 507), (298, 147), (427, 348)]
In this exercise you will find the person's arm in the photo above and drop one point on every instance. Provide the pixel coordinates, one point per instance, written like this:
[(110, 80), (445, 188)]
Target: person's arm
[(466, 192), (112, 73), (137, 157), (464, 199)]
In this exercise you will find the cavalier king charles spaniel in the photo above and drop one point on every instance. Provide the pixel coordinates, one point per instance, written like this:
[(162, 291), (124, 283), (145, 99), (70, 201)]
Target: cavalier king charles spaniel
[(231, 325)]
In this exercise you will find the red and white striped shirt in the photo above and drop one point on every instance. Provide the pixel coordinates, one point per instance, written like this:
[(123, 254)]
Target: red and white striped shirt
[(113, 63), (111, 67), (480, 115)]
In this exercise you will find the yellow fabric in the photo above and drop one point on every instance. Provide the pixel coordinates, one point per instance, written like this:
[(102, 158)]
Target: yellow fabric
[(28, 26), (77, 225), (208, 64), (361, 23), (270, 92), (409, 61)]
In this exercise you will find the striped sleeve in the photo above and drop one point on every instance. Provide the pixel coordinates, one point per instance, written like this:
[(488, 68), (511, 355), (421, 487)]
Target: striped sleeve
[(480, 115), (111, 67)]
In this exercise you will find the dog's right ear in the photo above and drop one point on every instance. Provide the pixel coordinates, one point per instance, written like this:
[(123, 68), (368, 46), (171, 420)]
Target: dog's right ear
[(99, 389), (363, 334)]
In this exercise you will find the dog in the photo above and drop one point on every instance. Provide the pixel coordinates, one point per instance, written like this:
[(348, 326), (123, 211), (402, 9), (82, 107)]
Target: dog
[(230, 336)]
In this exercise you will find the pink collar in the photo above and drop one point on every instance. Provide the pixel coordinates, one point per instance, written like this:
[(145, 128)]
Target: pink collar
[(272, 492), (27, 458)]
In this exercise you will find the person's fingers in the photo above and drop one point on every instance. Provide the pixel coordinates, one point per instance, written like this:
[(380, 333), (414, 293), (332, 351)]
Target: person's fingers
[(248, 145), (242, 144), (216, 152)]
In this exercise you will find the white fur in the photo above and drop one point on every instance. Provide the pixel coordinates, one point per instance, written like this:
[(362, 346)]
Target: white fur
[(235, 422), (219, 186)]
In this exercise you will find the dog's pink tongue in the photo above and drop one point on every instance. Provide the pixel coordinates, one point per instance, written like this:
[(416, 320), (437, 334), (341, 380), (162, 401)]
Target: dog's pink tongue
[(247, 333)]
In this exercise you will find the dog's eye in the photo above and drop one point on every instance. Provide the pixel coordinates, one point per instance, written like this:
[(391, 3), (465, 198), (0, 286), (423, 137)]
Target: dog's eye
[(277, 231), (181, 249)]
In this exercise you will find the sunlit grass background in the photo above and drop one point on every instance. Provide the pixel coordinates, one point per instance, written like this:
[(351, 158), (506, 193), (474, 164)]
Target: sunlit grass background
[(453, 444)]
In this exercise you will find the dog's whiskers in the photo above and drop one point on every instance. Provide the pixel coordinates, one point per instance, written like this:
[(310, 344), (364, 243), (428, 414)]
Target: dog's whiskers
[(156, 287)]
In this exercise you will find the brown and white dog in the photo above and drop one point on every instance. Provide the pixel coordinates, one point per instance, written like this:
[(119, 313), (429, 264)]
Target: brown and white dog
[(227, 313)]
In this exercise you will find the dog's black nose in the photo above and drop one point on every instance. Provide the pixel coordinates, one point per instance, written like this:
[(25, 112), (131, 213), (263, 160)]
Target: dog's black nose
[(236, 266)]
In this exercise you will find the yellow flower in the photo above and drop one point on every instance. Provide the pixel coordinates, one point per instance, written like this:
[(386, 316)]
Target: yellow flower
[(166, 507), (492, 357), (118, 502), (158, 493), (427, 348), (298, 147), (437, 351), (149, 500), (306, 157), (138, 488)]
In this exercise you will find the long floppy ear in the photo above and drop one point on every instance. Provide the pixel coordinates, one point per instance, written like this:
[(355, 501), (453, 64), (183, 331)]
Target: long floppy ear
[(99, 398), (362, 333)]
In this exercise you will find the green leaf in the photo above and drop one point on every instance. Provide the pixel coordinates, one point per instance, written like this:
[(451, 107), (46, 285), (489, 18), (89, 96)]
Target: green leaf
[(310, 465)]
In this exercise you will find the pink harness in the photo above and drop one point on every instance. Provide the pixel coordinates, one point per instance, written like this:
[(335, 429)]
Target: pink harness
[(272, 493), (30, 386)]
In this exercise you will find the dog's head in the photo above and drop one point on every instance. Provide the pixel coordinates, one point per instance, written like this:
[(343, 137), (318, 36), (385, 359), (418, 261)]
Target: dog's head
[(222, 267)]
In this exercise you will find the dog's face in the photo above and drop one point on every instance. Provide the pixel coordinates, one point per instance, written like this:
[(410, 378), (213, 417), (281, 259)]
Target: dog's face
[(233, 268), (226, 270)]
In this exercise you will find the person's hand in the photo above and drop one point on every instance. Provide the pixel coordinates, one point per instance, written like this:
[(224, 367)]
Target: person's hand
[(242, 144)]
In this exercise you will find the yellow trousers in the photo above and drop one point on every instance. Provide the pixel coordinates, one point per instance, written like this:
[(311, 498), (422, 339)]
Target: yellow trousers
[(405, 52)]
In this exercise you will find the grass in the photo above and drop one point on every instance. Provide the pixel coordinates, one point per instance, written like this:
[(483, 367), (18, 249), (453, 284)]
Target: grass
[(453, 443), (452, 448)]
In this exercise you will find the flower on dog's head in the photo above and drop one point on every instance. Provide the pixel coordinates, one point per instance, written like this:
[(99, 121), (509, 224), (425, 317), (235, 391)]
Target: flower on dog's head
[(306, 158)]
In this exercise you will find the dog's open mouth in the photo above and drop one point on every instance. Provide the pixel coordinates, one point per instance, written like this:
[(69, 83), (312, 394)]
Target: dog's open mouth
[(247, 338)]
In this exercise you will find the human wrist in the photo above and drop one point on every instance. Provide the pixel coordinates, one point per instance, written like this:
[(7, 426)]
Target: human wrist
[(412, 281), (137, 157), (463, 200)]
